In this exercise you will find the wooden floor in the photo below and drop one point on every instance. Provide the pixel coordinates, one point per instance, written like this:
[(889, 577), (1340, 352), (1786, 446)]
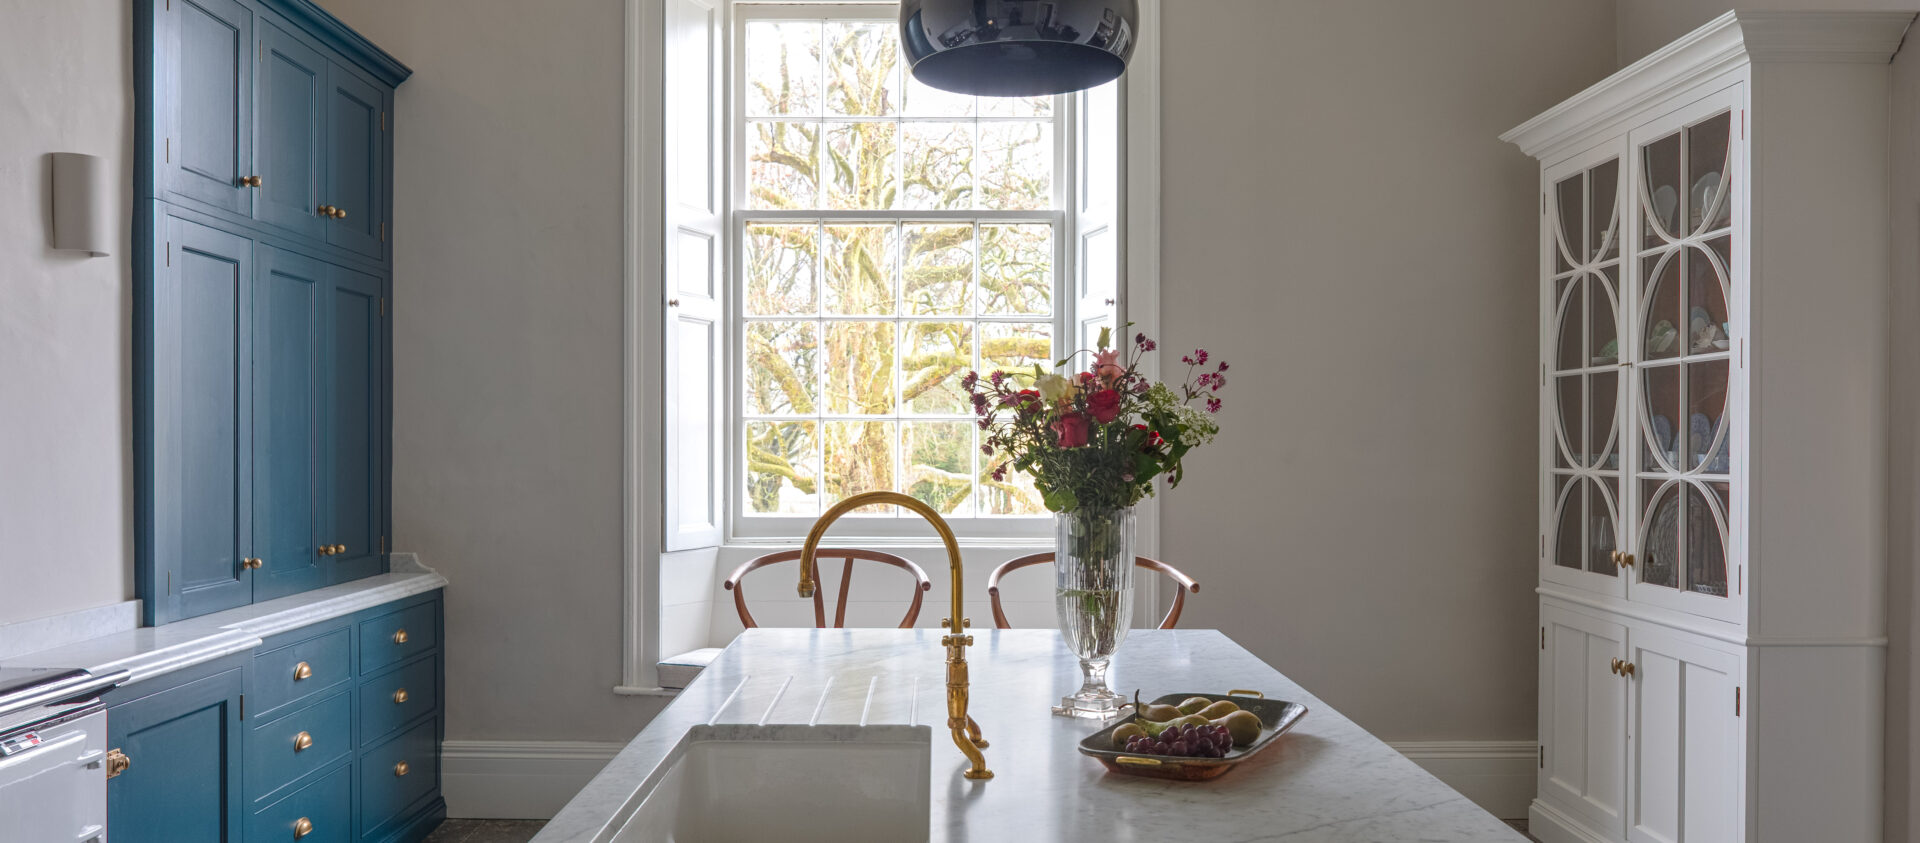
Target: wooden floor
[(486, 831)]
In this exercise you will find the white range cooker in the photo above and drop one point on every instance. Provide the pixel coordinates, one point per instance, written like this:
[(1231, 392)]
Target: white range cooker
[(53, 754)]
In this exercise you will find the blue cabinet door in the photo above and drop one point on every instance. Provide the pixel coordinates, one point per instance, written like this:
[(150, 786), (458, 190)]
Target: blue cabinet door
[(183, 780), (356, 127), (290, 131), (288, 302), (200, 474), (355, 421), (208, 71)]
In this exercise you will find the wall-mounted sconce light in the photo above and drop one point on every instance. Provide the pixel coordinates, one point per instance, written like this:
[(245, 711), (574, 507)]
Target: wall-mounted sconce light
[(81, 202)]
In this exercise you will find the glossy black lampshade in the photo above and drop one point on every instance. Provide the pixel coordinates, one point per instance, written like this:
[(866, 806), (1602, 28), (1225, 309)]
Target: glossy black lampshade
[(1018, 48)]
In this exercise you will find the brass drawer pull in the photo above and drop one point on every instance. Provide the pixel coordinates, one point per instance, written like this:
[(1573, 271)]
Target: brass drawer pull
[(399, 696), (401, 769), (117, 762), (400, 636), (302, 741), (302, 671), (302, 827)]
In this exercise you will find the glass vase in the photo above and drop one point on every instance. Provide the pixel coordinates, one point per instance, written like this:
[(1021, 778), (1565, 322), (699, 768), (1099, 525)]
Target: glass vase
[(1093, 598)]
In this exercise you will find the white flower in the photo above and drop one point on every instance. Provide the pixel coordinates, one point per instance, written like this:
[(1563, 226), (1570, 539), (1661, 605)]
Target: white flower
[(1053, 388)]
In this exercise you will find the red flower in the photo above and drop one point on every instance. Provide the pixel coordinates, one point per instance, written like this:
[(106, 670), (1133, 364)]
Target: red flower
[(1104, 405), (1072, 429)]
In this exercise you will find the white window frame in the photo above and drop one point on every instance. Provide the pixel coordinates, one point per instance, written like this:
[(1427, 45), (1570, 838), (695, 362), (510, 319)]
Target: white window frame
[(745, 528), (645, 283)]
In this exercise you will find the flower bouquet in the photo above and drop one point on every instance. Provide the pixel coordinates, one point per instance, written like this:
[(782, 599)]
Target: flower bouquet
[(1094, 441)]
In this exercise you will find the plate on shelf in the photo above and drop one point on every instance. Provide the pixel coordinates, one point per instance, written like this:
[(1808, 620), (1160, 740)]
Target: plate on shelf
[(1276, 717)]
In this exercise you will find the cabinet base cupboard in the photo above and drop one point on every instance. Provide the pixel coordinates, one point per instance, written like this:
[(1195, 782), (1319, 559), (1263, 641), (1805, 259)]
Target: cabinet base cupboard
[(1713, 378), (262, 289)]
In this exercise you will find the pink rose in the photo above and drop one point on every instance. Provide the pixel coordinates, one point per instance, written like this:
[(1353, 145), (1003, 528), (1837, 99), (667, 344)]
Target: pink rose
[(1072, 430), (1104, 405), (1106, 365)]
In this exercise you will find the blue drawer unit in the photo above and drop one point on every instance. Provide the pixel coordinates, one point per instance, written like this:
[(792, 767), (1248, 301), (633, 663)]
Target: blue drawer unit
[(396, 777), (296, 672), (321, 812), (398, 635), (295, 745), (397, 697)]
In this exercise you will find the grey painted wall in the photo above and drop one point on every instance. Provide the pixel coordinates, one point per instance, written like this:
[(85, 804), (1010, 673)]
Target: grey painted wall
[(66, 470)]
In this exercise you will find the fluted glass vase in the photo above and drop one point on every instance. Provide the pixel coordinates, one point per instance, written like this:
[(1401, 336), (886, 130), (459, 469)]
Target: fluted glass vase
[(1093, 597)]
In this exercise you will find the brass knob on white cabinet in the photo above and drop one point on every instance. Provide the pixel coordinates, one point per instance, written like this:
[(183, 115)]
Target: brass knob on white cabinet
[(1614, 668), (302, 827), (1626, 669)]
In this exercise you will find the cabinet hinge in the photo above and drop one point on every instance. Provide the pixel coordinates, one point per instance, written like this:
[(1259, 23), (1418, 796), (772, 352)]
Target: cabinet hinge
[(169, 150), (1543, 545), (1543, 374), (383, 305), (1743, 352), (1743, 124), (1543, 756), (243, 706), (1736, 700), (1740, 579), (169, 252), (383, 231), (1543, 638), (383, 120), (263, 52), (169, 582), (1543, 203), (383, 544)]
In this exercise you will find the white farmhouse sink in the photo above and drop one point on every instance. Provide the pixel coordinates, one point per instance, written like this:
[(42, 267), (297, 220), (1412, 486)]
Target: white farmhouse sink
[(795, 784)]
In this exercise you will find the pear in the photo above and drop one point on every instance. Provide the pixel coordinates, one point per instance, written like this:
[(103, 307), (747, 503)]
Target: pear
[(1160, 713), (1217, 710), (1125, 732), (1154, 729), (1193, 705), (1244, 726)]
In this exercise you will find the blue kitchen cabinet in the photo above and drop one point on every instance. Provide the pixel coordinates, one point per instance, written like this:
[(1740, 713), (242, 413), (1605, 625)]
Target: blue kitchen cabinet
[(289, 148), (356, 131), (204, 55), (181, 737), (354, 424), (289, 300)]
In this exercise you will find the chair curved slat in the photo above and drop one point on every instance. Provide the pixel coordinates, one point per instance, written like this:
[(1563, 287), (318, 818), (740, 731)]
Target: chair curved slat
[(921, 586), (1186, 585)]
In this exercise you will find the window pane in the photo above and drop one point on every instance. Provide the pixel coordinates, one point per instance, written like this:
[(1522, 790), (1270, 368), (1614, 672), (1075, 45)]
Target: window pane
[(859, 368), (860, 163), (1016, 106), (859, 459), (1013, 494), (1016, 269), (863, 63), (937, 458), (924, 100), (783, 68), (782, 378), (782, 161), (1016, 166), (937, 271), (859, 263), (782, 270), (783, 468), (936, 357), (1016, 347), (936, 161)]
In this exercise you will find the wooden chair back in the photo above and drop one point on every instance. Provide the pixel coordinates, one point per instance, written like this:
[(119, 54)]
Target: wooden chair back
[(922, 585), (1185, 583)]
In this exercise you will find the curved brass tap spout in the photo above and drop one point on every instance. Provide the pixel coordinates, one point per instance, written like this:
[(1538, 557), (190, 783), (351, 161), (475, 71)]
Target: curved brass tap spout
[(966, 733)]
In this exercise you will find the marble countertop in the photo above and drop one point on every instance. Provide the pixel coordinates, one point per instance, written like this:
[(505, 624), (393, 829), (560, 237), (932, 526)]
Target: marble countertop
[(1327, 780), (150, 651)]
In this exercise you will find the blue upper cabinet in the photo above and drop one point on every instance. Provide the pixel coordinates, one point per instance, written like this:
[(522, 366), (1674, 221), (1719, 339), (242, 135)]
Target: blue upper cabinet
[(355, 425), (206, 56), (356, 117), (289, 132), (289, 299)]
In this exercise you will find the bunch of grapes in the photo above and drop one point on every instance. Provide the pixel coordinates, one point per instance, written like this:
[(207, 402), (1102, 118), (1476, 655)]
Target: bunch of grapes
[(1186, 741)]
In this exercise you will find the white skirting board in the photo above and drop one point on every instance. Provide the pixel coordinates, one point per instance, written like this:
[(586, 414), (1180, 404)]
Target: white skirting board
[(532, 779)]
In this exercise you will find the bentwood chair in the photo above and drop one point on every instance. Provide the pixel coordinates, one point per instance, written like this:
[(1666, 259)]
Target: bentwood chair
[(921, 585), (1185, 583)]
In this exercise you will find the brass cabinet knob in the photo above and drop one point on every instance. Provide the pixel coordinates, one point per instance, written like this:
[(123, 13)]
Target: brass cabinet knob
[(1614, 668), (400, 636), (302, 671), (339, 213), (250, 181), (326, 210), (339, 549), (117, 762), (401, 769), (400, 696), (324, 550), (302, 827), (252, 563), (1626, 669), (302, 741)]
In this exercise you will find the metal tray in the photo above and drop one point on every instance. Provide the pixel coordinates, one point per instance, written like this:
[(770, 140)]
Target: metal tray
[(1276, 717)]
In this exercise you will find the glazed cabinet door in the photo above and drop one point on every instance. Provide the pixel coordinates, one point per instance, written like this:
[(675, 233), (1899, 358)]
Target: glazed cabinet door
[(289, 143), (198, 459), (1581, 401), (356, 140), (183, 777), (1687, 359), (208, 75), (1686, 749), (1583, 717), (353, 417), (288, 297)]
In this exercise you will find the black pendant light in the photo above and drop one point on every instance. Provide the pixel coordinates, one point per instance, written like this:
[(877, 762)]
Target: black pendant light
[(1018, 48)]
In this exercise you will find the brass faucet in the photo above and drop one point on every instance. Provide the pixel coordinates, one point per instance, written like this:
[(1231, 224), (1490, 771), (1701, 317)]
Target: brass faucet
[(966, 733)]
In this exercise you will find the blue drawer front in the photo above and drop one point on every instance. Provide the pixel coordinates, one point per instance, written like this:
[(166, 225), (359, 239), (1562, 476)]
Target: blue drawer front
[(398, 697), (326, 805), (274, 758), (278, 674), (397, 636), (385, 792)]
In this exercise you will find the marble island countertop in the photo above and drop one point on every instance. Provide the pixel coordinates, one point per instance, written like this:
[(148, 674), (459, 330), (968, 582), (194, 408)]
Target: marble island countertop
[(1327, 780)]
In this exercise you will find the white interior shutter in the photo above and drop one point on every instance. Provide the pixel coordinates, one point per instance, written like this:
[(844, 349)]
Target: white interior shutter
[(1097, 232), (693, 267)]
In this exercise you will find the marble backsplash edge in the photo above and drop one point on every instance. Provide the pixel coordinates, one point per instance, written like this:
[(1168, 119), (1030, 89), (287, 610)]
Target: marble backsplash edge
[(30, 636)]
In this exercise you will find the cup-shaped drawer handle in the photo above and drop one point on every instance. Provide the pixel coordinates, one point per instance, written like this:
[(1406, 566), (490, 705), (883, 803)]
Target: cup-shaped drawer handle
[(400, 696), (302, 827), (399, 636), (302, 741), (302, 671), (401, 769)]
